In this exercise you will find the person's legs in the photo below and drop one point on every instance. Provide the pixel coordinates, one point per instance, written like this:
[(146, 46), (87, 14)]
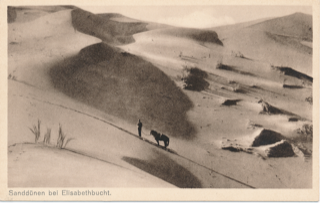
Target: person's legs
[(139, 130)]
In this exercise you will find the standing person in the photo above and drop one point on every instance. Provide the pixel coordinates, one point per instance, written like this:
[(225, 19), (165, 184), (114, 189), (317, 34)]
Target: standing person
[(139, 127)]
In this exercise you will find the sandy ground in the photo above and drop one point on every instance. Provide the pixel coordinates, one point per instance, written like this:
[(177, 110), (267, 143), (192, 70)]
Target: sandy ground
[(104, 144)]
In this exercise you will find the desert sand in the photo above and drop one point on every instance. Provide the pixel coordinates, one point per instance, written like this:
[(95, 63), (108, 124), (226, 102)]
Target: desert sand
[(235, 101)]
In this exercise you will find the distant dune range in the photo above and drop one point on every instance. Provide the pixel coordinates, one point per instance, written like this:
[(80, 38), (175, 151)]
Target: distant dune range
[(283, 41)]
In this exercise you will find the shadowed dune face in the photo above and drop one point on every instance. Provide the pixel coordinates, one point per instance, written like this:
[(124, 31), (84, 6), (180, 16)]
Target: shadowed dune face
[(165, 168), (103, 27), (126, 86), (202, 36), (267, 137)]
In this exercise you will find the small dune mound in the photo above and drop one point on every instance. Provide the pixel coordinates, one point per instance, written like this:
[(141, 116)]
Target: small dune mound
[(293, 119), (253, 125), (235, 69), (207, 36), (292, 86), (293, 73), (230, 102), (280, 149), (266, 137), (266, 143), (269, 109)]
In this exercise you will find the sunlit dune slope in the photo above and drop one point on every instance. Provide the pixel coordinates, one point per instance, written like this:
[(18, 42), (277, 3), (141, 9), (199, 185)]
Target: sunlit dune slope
[(297, 25), (282, 41)]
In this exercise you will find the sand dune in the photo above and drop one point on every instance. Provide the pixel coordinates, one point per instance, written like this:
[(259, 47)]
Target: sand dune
[(126, 86), (297, 25), (97, 90)]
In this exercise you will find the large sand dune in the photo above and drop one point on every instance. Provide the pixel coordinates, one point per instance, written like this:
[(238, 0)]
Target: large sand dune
[(98, 74), (125, 86)]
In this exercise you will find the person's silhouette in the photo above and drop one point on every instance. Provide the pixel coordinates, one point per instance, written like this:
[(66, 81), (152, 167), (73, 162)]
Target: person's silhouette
[(139, 127)]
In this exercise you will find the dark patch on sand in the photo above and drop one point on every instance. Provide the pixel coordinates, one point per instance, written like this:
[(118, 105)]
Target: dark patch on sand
[(267, 137), (102, 27), (168, 170), (125, 86)]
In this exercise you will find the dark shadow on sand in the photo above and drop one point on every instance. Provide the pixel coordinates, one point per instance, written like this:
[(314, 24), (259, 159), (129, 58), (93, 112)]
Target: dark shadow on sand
[(126, 86), (166, 169)]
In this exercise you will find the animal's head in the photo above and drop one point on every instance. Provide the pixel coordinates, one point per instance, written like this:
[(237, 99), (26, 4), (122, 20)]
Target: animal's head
[(153, 133)]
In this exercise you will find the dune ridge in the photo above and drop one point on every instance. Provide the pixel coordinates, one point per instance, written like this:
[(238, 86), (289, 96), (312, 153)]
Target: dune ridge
[(102, 27)]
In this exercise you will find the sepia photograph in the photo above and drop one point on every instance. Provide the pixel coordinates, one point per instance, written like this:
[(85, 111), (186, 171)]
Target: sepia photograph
[(166, 97)]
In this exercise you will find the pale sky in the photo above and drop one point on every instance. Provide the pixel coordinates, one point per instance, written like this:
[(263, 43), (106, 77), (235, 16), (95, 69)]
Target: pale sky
[(199, 16)]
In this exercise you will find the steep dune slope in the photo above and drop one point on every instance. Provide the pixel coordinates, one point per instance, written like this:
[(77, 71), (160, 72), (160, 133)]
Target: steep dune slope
[(126, 86)]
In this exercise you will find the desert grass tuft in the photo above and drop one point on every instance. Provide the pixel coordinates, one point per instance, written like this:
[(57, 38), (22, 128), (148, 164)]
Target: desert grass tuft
[(47, 136), (36, 131), (61, 137)]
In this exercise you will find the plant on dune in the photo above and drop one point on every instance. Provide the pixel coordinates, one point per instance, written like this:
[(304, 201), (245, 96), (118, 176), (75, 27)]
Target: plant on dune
[(36, 131), (68, 140), (47, 136), (62, 141), (61, 137), (219, 64), (309, 99), (237, 54), (194, 79), (306, 131), (236, 88)]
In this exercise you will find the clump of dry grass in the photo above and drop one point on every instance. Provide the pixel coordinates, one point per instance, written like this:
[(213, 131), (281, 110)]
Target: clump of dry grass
[(62, 141), (61, 137), (236, 88), (36, 131), (219, 64), (194, 79), (47, 136), (306, 132), (309, 100), (237, 54)]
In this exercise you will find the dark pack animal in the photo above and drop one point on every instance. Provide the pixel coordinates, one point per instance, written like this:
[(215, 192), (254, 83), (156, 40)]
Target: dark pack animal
[(157, 136)]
